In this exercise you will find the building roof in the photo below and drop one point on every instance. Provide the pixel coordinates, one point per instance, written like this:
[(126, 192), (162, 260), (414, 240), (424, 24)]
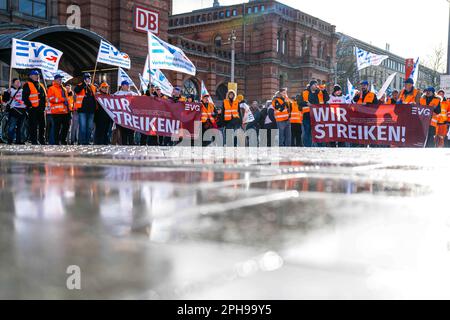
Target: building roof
[(80, 46)]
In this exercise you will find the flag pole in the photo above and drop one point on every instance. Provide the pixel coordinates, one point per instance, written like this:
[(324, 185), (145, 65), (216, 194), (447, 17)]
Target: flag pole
[(10, 76), (95, 70)]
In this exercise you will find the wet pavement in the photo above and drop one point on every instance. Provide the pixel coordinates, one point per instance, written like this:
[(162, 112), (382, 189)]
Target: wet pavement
[(161, 223)]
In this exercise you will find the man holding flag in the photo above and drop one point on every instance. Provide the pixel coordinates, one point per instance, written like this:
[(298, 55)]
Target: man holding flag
[(35, 97)]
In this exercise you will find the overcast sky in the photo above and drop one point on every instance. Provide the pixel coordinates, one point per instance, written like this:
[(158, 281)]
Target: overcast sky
[(411, 27)]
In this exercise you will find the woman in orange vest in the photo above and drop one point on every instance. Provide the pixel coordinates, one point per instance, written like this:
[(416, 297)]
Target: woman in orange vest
[(431, 100), (296, 123), (232, 115), (282, 106), (59, 112), (208, 116)]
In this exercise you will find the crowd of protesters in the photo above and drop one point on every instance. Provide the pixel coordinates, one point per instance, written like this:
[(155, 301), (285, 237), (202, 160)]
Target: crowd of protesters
[(62, 115)]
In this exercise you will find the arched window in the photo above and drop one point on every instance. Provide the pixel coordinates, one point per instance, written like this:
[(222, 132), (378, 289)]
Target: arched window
[(218, 41), (284, 44), (190, 88), (221, 92)]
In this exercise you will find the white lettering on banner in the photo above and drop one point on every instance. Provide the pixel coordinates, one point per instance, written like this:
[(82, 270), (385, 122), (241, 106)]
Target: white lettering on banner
[(324, 114), (420, 111), (119, 110), (146, 20), (361, 132), (191, 107)]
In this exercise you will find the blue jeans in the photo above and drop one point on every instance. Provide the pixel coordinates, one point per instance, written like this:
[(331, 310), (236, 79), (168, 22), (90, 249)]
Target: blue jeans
[(15, 125), (306, 131), (285, 134), (86, 126)]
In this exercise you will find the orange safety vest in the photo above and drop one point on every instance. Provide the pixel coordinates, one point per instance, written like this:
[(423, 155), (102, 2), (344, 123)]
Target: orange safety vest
[(231, 110), (442, 120), (443, 117), (368, 99), (34, 94), (433, 103), (81, 95), (296, 114), (56, 99), (306, 99), (71, 102), (410, 98), (281, 116), (207, 113)]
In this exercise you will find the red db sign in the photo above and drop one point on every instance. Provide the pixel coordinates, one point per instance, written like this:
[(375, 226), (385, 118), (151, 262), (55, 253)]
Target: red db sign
[(146, 20)]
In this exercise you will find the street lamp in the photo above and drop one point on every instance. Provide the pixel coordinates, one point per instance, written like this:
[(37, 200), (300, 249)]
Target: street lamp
[(232, 40)]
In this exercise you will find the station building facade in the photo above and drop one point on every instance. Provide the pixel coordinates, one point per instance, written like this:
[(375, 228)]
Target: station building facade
[(276, 46)]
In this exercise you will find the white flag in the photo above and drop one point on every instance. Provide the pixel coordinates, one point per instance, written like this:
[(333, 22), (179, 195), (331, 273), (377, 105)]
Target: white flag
[(164, 56), (351, 92), (29, 55), (108, 54), (144, 83), (123, 76), (366, 59), (157, 78), (415, 72), (386, 85), (48, 75)]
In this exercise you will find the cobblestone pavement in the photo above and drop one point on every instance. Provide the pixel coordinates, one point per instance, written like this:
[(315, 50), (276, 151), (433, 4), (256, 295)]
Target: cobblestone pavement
[(155, 223)]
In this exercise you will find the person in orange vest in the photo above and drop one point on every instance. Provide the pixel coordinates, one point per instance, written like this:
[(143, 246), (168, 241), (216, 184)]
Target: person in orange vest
[(431, 100), (312, 95), (59, 112), (208, 116), (365, 96), (409, 95), (232, 114), (282, 106), (296, 123), (35, 98), (85, 105), (443, 120), (393, 99)]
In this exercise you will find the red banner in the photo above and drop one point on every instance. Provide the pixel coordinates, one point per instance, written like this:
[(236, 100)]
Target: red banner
[(152, 116), (409, 67), (393, 125)]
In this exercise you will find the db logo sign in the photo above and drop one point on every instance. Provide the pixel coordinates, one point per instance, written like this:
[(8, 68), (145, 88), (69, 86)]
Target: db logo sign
[(146, 20)]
